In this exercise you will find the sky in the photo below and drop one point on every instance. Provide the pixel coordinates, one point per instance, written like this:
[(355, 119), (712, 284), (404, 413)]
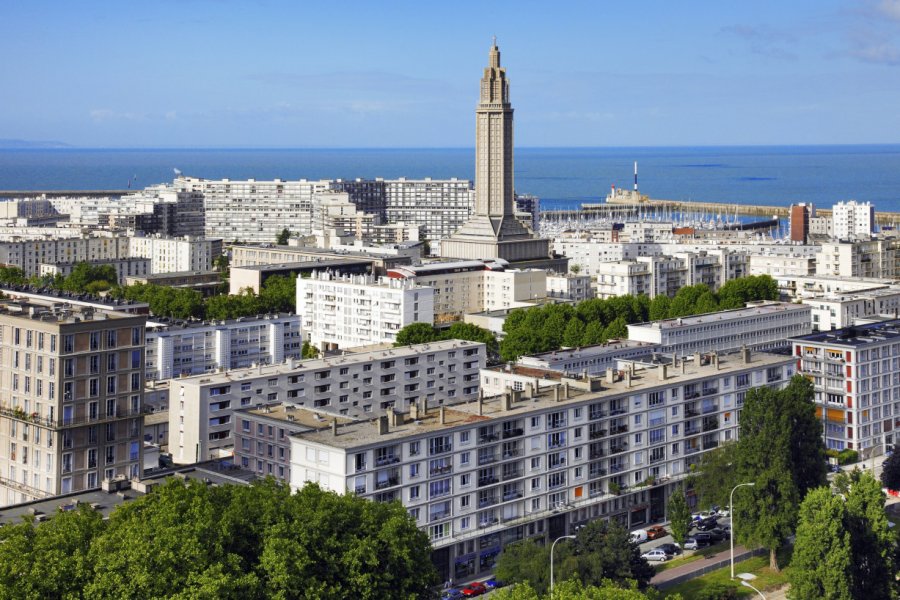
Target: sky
[(301, 74)]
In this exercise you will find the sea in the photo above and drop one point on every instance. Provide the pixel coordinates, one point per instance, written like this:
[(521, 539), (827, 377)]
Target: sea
[(560, 177)]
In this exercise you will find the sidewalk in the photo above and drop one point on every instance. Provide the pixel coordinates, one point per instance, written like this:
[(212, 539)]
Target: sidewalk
[(695, 568)]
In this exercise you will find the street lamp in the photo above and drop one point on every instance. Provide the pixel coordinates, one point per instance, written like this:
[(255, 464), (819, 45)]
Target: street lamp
[(552, 547), (745, 581), (731, 508)]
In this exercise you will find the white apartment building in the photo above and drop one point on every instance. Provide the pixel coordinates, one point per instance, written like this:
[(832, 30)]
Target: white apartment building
[(569, 287), (513, 288), (183, 348), (358, 310), (865, 258), (541, 462), (593, 360), (172, 255), (798, 287), (30, 254), (781, 265), (856, 374), (201, 408), (836, 311), (764, 326), (666, 274), (437, 206), (853, 220)]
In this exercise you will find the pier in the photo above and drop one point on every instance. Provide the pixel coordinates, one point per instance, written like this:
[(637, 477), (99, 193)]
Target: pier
[(626, 207)]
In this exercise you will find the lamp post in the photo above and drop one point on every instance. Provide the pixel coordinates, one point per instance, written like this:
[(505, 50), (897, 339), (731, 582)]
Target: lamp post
[(731, 508), (553, 547), (745, 581)]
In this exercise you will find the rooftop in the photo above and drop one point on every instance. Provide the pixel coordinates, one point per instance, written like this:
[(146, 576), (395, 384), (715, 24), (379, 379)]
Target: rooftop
[(591, 351), (300, 417), (767, 308), (855, 336), (364, 433), (295, 366), (50, 295), (166, 324), (319, 263), (57, 312)]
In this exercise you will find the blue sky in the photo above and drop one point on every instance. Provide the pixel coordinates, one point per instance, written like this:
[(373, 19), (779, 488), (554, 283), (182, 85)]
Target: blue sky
[(217, 73)]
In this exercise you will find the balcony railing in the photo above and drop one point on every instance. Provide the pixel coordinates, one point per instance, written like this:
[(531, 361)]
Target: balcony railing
[(439, 515), (509, 433), (386, 460), (483, 481), (691, 430), (25, 489), (514, 453), (692, 450), (490, 437), (597, 434), (617, 411), (386, 483), (691, 412), (488, 501), (486, 459), (710, 391), (62, 421), (710, 408), (514, 495), (598, 453), (440, 470)]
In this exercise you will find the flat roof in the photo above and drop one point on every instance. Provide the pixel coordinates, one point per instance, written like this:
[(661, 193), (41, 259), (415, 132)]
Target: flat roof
[(289, 367), (167, 324), (850, 295), (724, 315), (589, 351), (301, 417), (307, 265), (526, 371), (856, 335), (364, 433), (218, 472)]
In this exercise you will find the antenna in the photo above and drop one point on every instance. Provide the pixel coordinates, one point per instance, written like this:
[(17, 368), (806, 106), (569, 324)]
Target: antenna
[(635, 176)]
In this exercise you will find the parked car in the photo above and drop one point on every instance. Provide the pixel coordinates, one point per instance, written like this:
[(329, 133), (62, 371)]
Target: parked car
[(638, 536), (493, 584), (476, 588), (703, 515), (656, 531), (707, 524), (656, 554), (717, 534), (704, 538), (693, 544), (672, 549), (452, 594), (723, 512)]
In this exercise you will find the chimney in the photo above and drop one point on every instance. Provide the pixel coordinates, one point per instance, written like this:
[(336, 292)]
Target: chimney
[(610, 376), (480, 401), (745, 355), (382, 425), (334, 427), (683, 365), (566, 390), (529, 391), (663, 372), (696, 359), (556, 393), (628, 378), (674, 360), (414, 410), (715, 360), (443, 415), (537, 386), (506, 400)]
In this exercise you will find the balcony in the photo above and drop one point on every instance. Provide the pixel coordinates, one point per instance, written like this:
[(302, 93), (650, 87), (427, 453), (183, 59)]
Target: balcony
[(513, 495), (710, 425), (360, 490), (617, 411), (595, 473), (440, 470), (487, 501), (597, 434), (386, 460), (693, 394), (616, 468), (507, 475), (694, 430), (710, 408), (491, 437), (557, 465), (510, 433), (619, 429), (692, 450), (598, 414), (483, 481), (386, 483), (512, 454), (710, 445), (486, 459), (438, 515), (597, 453), (691, 412), (710, 391)]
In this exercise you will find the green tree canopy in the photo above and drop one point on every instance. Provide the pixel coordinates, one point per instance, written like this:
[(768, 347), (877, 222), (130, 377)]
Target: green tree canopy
[(189, 540), (282, 238), (90, 279), (416, 333), (890, 474), (573, 589), (679, 515)]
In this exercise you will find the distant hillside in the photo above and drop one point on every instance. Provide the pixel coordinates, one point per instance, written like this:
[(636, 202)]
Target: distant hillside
[(16, 144)]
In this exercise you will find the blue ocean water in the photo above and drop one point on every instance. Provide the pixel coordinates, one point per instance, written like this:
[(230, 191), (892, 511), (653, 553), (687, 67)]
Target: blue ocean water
[(561, 177)]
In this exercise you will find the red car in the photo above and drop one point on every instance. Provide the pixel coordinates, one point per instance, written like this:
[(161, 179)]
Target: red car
[(657, 531), (476, 588)]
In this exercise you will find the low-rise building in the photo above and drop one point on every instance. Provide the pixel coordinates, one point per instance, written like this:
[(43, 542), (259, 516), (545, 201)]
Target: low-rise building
[(125, 268), (201, 409), (569, 287), (764, 326), (181, 348), (358, 310), (206, 282), (836, 311), (864, 258), (540, 463), (593, 360), (173, 255)]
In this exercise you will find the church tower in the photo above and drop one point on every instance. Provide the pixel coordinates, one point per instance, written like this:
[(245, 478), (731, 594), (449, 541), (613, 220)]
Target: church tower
[(493, 231)]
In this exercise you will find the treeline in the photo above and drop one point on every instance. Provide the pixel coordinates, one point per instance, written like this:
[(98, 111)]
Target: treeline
[(84, 279), (191, 540), (278, 294), (552, 326), (423, 333)]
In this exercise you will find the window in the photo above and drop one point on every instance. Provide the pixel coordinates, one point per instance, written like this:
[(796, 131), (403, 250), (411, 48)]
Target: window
[(111, 336), (439, 488)]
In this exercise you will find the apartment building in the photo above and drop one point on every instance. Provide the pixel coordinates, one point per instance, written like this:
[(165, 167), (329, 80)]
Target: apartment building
[(853, 220), (836, 311), (270, 254), (593, 360), (437, 206), (172, 255), (72, 399), (780, 265), (569, 287), (183, 348), (125, 267), (867, 258), (666, 274), (763, 326), (347, 311), (201, 408), (541, 462), (856, 375), (262, 437), (30, 254)]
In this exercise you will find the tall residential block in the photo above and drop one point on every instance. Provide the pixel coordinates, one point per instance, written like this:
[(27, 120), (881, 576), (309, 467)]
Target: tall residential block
[(71, 399)]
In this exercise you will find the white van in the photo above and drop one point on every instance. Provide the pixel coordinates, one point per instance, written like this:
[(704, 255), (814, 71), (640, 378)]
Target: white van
[(639, 536)]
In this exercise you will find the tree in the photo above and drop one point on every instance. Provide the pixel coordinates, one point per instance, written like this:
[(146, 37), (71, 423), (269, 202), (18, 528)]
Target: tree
[(716, 475), (821, 563), (416, 333), (309, 351), (873, 543), (279, 294), (618, 329), (575, 269), (593, 334), (87, 278), (573, 589), (807, 452), (528, 563), (12, 276), (679, 515), (283, 237), (473, 333), (890, 474), (659, 307), (573, 333), (222, 263)]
